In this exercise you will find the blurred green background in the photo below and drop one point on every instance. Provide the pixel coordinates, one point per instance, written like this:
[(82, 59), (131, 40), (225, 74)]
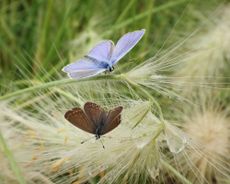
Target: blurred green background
[(37, 38)]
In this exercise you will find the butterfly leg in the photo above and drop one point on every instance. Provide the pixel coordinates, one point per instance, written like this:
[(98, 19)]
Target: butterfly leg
[(102, 144), (98, 130), (97, 136), (109, 69), (86, 140)]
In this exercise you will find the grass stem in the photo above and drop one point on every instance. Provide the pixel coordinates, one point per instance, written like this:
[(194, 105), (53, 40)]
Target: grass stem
[(168, 167), (57, 83), (12, 161)]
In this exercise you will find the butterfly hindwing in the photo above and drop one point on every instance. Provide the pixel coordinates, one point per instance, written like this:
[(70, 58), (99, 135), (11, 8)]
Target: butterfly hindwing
[(83, 68), (78, 118), (85, 73), (82, 64)]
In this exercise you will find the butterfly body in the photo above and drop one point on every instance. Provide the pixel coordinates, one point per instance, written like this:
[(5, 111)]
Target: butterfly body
[(94, 119), (102, 64), (99, 130), (103, 56), (100, 126)]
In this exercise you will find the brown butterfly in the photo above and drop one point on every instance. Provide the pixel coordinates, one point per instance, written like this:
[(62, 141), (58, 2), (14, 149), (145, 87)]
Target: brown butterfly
[(94, 119)]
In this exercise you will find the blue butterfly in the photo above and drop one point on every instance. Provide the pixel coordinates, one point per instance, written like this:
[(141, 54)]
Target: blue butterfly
[(103, 56)]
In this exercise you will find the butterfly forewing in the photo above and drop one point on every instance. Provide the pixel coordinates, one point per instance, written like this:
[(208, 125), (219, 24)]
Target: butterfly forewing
[(113, 120), (102, 51), (125, 44), (113, 114), (78, 118), (94, 112)]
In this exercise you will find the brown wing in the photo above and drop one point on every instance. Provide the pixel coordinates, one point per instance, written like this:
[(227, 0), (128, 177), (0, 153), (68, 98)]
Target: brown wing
[(94, 112), (113, 120), (78, 118)]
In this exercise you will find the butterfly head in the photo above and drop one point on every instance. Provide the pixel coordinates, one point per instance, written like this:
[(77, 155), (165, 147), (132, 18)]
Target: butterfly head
[(110, 68), (97, 136)]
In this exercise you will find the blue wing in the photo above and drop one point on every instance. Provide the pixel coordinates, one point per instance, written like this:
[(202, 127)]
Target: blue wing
[(82, 64), (125, 44), (102, 51), (83, 68)]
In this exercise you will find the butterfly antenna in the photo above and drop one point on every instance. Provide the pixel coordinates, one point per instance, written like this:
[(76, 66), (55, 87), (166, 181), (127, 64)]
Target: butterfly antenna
[(86, 140), (102, 144)]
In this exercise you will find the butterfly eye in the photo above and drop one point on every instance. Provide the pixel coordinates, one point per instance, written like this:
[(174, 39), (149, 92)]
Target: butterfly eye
[(111, 68)]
